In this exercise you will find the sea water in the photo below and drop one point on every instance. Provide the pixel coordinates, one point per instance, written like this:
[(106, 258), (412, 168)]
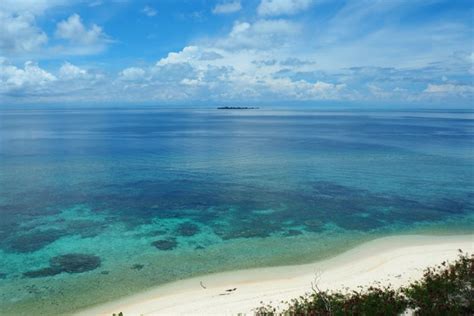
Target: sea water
[(99, 203)]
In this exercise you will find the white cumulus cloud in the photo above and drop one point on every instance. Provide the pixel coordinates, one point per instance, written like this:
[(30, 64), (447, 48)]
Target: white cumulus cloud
[(33, 6), (449, 88), (192, 54), (261, 34), (74, 31), (282, 7), (227, 7), (70, 71), (19, 33), (132, 74), (29, 80), (149, 11), (22, 37), (190, 82)]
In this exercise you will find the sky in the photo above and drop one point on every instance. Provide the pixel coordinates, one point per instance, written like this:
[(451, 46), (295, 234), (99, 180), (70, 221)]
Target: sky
[(185, 52)]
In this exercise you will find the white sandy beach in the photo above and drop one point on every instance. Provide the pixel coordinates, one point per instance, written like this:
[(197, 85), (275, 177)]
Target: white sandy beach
[(395, 260)]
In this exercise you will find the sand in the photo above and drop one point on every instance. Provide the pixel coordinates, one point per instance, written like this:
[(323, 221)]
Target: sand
[(392, 260)]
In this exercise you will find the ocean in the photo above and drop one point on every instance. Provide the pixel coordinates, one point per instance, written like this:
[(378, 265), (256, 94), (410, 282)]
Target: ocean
[(100, 203)]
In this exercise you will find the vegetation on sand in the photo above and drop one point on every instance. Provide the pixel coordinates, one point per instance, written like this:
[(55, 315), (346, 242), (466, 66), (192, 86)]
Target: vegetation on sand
[(447, 289)]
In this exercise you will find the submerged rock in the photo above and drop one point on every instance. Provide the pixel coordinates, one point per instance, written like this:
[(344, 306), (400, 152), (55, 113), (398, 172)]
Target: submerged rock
[(75, 262), (293, 232), (157, 232), (247, 231), (188, 229), (69, 263), (165, 244), (34, 241), (85, 228), (45, 272), (314, 225), (137, 266)]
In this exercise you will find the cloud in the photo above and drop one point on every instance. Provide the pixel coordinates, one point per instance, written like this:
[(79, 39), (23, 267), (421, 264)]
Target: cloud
[(327, 88), (210, 55), (19, 33), (293, 61), (190, 82), (237, 76), (239, 28), (261, 34), (282, 7), (191, 54), (269, 62), (74, 31), (227, 7), (132, 74), (96, 3), (188, 53), (172, 73), (379, 92), (349, 50), (30, 79), (248, 58), (34, 7), (22, 38), (33, 84), (149, 11), (450, 89), (69, 71), (183, 77)]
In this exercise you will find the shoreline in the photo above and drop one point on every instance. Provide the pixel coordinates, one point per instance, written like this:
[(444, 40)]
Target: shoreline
[(395, 260)]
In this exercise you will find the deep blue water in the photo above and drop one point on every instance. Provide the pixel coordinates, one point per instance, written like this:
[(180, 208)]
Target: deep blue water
[(99, 203)]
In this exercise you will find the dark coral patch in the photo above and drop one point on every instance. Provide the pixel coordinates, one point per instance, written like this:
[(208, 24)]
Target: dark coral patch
[(314, 225), (157, 232), (293, 232), (85, 228), (188, 229), (40, 273), (244, 232), (33, 241), (75, 262), (137, 266), (165, 244), (69, 263)]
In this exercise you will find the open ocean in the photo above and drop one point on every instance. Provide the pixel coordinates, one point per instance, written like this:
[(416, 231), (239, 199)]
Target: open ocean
[(100, 203)]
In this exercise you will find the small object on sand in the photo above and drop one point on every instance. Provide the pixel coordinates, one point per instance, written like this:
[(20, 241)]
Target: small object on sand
[(202, 285), (231, 290)]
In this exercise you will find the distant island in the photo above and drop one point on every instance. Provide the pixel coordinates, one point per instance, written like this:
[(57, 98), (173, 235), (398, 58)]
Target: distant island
[(236, 108)]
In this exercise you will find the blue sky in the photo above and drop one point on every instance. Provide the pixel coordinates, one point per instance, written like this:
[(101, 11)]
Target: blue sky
[(375, 52)]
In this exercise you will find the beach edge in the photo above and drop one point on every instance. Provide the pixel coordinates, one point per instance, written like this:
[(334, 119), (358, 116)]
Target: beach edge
[(393, 260)]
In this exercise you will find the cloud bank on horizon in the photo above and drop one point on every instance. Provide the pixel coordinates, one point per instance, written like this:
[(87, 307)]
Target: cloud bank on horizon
[(183, 52)]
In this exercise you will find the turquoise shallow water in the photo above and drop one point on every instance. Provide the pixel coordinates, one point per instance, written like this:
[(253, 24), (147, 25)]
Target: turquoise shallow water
[(100, 203)]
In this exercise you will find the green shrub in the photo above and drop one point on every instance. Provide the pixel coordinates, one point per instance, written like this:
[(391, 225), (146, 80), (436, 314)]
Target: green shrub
[(447, 289), (373, 301)]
